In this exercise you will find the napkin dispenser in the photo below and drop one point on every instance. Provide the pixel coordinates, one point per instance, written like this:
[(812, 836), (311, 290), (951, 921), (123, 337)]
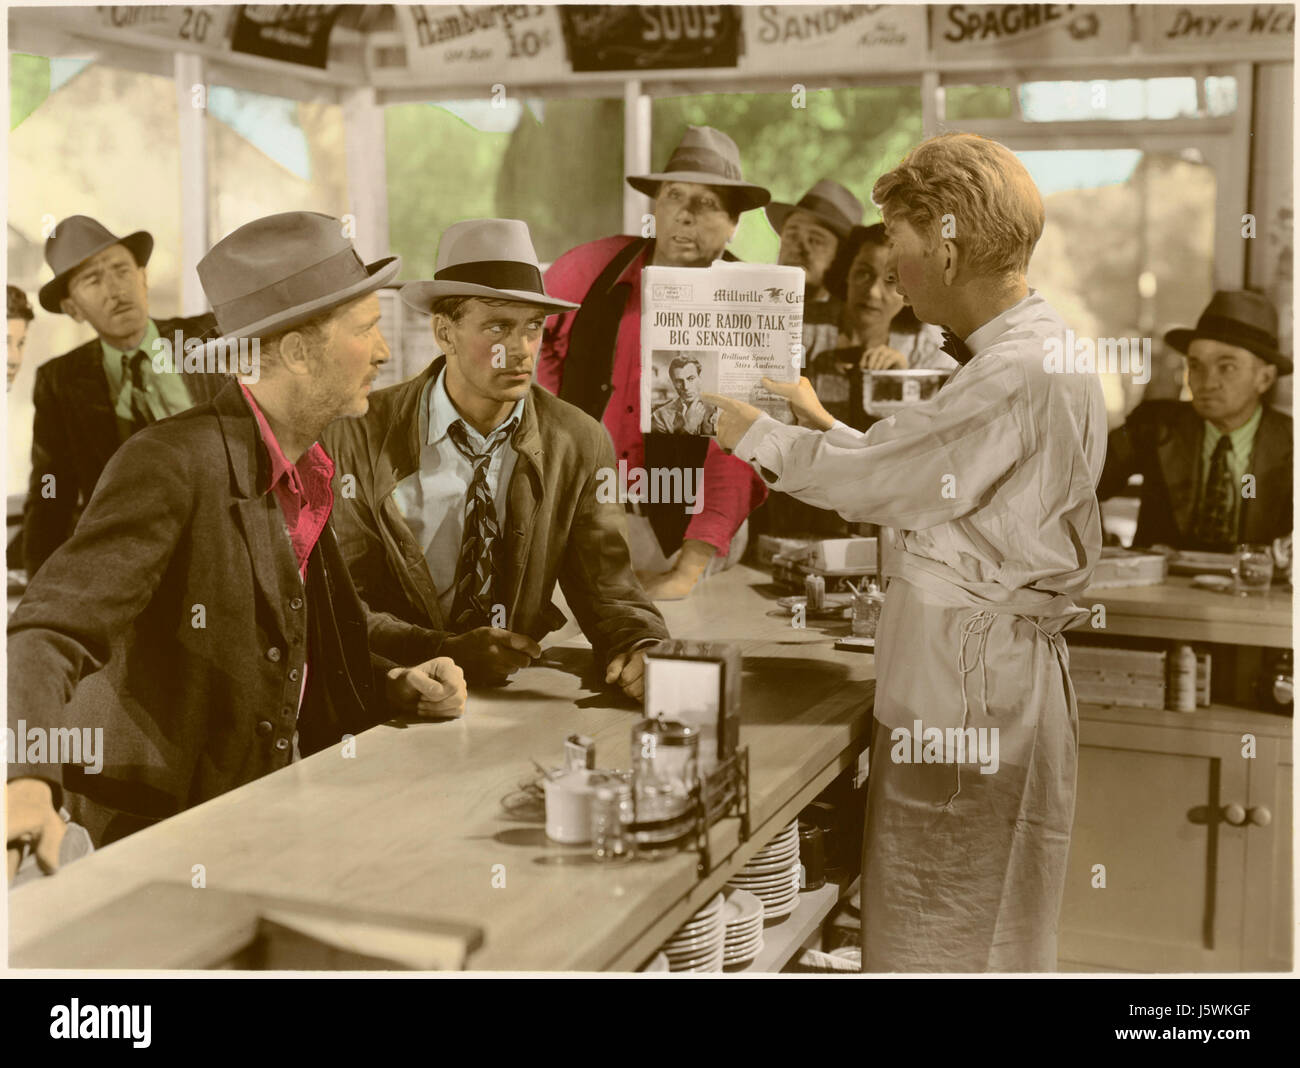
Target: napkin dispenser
[(697, 683)]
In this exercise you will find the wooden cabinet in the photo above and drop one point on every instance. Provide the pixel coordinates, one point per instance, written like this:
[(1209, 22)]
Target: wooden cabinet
[(1193, 836)]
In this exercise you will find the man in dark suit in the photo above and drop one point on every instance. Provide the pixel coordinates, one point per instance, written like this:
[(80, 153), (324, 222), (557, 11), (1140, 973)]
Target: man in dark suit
[(1215, 472), (476, 491), (201, 617), (88, 401)]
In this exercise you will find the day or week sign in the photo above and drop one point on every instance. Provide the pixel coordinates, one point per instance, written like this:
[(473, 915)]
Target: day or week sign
[(1030, 31), (826, 38), (196, 24), (1251, 31), (605, 37), (482, 45)]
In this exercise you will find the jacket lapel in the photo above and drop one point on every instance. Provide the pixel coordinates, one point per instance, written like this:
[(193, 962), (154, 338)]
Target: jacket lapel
[(92, 404), (1180, 460), (255, 507), (1270, 463)]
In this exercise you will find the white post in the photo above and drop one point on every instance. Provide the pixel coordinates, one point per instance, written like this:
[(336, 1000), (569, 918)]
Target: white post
[(191, 108), (363, 137), (636, 151)]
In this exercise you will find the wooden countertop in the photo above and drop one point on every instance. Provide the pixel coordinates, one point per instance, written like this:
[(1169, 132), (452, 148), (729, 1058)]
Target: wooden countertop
[(414, 825), (1178, 610)]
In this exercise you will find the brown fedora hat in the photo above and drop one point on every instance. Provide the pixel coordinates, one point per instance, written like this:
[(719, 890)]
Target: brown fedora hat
[(705, 156), (73, 242), (281, 270), (829, 202), (1236, 317)]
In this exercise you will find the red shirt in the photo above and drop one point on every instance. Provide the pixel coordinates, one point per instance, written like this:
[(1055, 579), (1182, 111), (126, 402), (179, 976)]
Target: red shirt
[(304, 490), (731, 487)]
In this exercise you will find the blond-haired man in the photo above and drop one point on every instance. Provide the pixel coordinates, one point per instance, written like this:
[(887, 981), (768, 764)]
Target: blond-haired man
[(990, 487)]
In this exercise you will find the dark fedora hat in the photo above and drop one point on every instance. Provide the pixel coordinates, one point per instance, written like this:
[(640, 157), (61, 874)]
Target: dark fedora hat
[(829, 202), (281, 270), (491, 258), (705, 156), (73, 242), (1236, 317)]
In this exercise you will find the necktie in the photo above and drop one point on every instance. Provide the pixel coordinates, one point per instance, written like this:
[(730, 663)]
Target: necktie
[(1214, 527), (957, 348), (480, 544), (133, 366)]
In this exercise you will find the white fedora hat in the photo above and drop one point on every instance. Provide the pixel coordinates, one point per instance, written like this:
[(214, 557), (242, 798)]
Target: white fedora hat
[(492, 258)]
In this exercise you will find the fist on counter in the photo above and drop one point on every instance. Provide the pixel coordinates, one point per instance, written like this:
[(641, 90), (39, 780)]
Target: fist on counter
[(490, 653), (32, 821), (435, 688)]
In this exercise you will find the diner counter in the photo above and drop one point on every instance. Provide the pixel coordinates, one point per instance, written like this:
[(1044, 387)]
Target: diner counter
[(414, 824), (1179, 611)]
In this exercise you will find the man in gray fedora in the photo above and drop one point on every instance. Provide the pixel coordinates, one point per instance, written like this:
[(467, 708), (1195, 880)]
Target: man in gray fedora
[(201, 614), (591, 357), (1216, 471), (811, 232), (88, 401), (477, 491)]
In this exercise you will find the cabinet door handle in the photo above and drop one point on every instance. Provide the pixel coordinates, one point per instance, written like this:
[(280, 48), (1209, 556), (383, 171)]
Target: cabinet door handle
[(1234, 814), (1260, 816)]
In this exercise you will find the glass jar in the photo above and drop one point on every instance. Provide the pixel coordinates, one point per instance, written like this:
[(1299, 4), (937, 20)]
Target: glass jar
[(665, 775), (611, 817)]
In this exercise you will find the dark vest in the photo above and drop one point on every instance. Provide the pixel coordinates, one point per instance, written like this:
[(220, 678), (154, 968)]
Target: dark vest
[(588, 372)]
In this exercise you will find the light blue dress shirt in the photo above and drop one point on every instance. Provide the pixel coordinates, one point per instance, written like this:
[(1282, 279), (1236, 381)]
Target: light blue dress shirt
[(432, 500)]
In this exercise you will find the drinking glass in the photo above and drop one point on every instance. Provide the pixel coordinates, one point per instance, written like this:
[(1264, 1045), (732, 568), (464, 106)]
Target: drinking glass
[(1253, 572)]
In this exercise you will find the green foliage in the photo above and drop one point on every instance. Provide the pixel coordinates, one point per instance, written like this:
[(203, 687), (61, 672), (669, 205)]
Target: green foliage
[(564, 173), (29, 85), (977, 102), (850, 135)]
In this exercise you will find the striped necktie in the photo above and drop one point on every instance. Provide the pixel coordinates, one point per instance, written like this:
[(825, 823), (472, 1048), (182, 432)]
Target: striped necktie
[(133, 369), (480, 544), (1214, 528)]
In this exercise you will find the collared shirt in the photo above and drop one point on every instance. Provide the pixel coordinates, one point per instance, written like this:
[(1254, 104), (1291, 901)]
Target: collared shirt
[(432, 500), (303, 490), (991, 486), (1242, 444), (165, 394), (731, 489)]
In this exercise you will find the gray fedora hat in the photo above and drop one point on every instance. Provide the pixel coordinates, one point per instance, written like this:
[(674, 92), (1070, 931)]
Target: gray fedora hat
[(281, 270), (73, 242), (705, 156), (833, 206), (491, 258)]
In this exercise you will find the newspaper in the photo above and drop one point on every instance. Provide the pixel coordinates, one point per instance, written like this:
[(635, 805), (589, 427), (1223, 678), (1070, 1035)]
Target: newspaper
[(717, 329)]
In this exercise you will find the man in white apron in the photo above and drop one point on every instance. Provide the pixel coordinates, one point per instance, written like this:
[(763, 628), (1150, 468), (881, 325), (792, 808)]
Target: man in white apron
[(990, 487)]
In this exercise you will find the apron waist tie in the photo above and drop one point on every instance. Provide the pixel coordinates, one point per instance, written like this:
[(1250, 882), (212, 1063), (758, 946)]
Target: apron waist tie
[(977, 626)]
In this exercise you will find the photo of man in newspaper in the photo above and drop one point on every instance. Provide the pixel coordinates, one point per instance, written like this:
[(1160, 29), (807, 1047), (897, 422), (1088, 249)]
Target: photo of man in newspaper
[(678, 378)]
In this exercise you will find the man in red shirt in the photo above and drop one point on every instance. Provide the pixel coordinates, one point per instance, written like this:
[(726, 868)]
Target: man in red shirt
[(201, 620), (592, 357)]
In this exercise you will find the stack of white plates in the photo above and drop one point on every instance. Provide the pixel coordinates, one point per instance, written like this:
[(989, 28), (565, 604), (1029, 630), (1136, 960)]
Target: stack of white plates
[(698, 944), (742, 913), (772, 875)]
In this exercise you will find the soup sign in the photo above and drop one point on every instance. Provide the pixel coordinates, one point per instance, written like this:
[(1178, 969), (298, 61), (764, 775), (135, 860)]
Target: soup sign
[(604, 37)]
